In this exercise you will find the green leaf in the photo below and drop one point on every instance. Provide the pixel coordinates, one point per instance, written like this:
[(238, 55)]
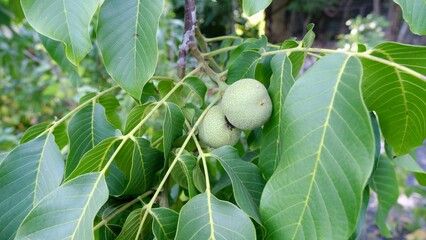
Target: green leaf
[(309, 38), (68, 212), (244, 66), (3, 156), (206, 217), (27, 174), (127, 39), (56, 51), (197, 86), (95, 159), (164, 87), (385, 184), (362, 216), (398, 98), (111, 105), (87, 128), (414, 14), (165, 223), (65, 21), (140, 163), (249, 44), (173, 124), (297, 58), (182, 173), (60, 133), (251, 7), (408, 162), (132, 225), (246, 178), (272, 134), (135, 117), (328, 155)]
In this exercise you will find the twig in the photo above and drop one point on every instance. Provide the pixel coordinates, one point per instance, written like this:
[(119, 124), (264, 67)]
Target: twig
[(188, 37)]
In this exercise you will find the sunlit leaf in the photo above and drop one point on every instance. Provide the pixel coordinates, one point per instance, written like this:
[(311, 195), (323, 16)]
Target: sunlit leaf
[(247, 180), (27, 174), (316, 190), (87, 128), (126, 36), (398, 98), (164, 223), (385, 184), (65, 21), (206, 217), (251, 7), (414, 14), (272, 135), (68, 212)]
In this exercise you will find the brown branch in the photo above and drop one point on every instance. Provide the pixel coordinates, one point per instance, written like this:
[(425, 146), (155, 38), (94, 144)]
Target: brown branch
[(188, 37)]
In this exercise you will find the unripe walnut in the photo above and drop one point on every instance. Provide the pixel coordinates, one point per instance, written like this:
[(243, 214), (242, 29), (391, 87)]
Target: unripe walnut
[(215, 131), (246, 104)]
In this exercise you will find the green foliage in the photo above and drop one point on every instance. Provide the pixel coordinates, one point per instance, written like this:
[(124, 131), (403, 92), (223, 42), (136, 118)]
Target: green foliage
[(413, 13), (135, 168)]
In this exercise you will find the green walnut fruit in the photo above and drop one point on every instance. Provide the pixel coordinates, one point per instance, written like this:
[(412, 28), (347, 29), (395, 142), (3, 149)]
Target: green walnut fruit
[(246, 104), (216, 131)]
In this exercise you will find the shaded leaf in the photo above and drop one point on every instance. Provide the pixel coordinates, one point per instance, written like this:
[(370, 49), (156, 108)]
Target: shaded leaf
[(408, 162), (197, 86), (328, 155), (27, 174), (172, 126), (126, 36), (87, 128), (297, 58), (398, 98), (65, 21), (362, 216), (132, 225), (244, 66), (414, 14), (60, 133), (246, 178), (205, 217), (272, 134), (68, 212), (251, 7), (182, 173), (249, 44), (135, 117), (165, 223), (111, 105), (385, 184)]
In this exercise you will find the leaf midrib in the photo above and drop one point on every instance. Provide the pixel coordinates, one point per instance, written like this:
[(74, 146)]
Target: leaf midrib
[(321, 146)]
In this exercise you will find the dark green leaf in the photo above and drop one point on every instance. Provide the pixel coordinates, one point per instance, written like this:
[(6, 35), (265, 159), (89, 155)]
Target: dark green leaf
[(27, 174), (165, 223), (68, 212), (244, 66), (297, 58), (408, 162), (272, 135), (328, 155), (172, 126), (385, 184), (63, 21), (398, 98), (135, 117), (197, 86), (60, 133), (133, 224), (246, 178), (127, 39), (182, 173), (206, 217), (362, 216), (111, 105), (414, 14), (249, 44)]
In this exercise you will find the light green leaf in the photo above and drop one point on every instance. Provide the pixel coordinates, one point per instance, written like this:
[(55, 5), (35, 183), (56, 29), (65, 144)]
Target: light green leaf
[(65, 21), (398, 98), (206, 217), (127, 39), (56, 51), (272, 135), (172, 126), (246, 178), (140, 163), (385, 184), (60, 133), (328, 155), (95, 159), (165, 223), (251, 7), (68, 212), (87, 128), (408, 162), (414, 13), (133, 224), (244, 66), (27, 174)]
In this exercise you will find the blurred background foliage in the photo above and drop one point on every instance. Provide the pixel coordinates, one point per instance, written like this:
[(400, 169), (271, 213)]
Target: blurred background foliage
[(34, 89)]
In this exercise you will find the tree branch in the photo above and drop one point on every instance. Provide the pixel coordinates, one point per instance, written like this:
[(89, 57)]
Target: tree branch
[(188, 36)]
